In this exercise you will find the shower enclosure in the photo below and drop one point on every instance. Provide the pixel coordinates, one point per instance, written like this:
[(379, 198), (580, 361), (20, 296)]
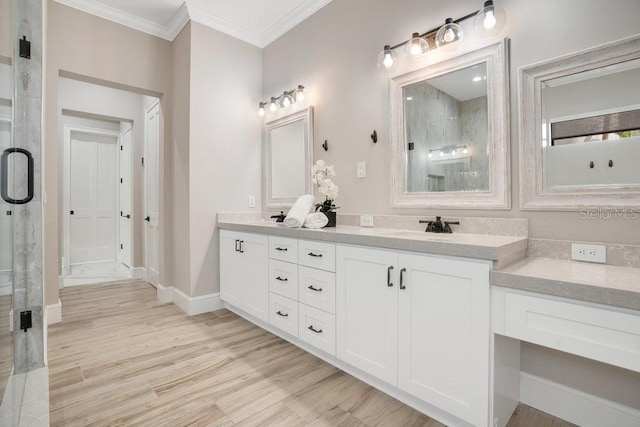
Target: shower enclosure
[(23, 375)]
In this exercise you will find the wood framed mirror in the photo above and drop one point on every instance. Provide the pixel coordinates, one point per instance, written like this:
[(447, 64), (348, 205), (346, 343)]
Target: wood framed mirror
[(288, 148), (450, 133), (580, 129)]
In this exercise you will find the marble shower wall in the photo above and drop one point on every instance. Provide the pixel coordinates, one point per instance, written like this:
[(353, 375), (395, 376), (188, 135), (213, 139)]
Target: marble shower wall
[(436, 120)]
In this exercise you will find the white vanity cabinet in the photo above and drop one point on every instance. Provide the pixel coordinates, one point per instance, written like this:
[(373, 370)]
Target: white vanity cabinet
[(244, 272), (418, 322)]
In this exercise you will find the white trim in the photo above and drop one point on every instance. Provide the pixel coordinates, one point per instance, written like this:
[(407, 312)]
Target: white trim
[(6, 289), (66, 186), (293, 18), (53, 313), (164, 294), (159, 186), (179, 20), (197, 305), (574, 405), (139, 273), (60, 282), (128, 262)]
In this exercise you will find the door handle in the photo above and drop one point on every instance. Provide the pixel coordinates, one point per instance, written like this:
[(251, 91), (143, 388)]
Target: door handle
[(389, 284), (4, 176), (311, 254), (148, 219), (281, 279), (402, 278), (317, 331), (128, 216), (241, 248), (314, 288), (279, 313), (281, 249)]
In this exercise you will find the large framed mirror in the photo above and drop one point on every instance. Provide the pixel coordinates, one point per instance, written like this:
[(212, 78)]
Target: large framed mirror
[(288, 148), (450, 133), (580, 129)]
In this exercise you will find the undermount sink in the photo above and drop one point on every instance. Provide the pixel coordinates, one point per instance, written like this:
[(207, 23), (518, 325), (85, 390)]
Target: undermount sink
[(403, 234)]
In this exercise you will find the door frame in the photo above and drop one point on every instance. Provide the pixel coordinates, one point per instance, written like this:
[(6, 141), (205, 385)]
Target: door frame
[(4, 290), (159, 174), (66, 186), (131, 194)]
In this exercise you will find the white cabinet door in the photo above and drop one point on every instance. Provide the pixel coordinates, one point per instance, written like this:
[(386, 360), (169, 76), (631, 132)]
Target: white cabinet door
[(443, 349), (254, 250), (244, 272), (231, 271), (367, 310)]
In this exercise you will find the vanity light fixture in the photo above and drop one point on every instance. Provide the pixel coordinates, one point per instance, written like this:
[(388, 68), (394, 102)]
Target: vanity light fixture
[(489, 21), (449, 150), (287, 98)]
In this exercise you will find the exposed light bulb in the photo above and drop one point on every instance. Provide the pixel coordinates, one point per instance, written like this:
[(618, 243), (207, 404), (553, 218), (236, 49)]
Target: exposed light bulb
[(465, 151), (300, 94), (441, 153), (430, 154), (273, 106), (453, 152), (261, 111), (409, 98), (286, 100), (388, 60), (449, 35), (489, 20), (477, 79)]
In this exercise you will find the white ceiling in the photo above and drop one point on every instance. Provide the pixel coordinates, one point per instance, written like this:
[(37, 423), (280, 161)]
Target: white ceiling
[(258, 22)]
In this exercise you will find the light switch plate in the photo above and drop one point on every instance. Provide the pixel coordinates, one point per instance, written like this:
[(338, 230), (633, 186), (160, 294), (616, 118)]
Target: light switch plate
[(589, 253), (252, 201), (361, 170)]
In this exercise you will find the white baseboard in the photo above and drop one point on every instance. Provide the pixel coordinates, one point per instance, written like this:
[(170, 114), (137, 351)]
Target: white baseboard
[(197, 305), (573, 405), (164, 294), (139, 273), (54, 313)]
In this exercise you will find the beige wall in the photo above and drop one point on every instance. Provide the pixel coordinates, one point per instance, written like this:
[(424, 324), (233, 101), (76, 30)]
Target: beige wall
[(106, 53), (225, 143), (6, 28), (179, 163), (333, 54)]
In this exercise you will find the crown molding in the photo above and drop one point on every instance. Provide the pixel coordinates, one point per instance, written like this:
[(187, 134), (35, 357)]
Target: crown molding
[(128, 20), (293, 18), (186, 13)]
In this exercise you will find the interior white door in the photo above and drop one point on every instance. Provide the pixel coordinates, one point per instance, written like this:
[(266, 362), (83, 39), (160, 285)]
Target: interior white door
[(6, 228), (152, 218), (92, 196), (126, 212)]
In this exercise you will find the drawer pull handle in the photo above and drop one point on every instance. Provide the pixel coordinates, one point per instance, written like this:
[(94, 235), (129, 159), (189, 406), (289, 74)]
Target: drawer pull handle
[(389, 284), (279, 313), (281, 279), (281, 249), (314, 289), (402, 286), (315, 255), (312, 329)]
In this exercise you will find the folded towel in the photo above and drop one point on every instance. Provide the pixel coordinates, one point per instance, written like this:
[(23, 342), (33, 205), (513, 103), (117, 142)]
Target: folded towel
[(315, 220), (296, 216)]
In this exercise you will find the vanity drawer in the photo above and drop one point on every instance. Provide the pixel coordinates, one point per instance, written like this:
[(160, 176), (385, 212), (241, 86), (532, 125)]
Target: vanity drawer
[(317, 255), (283, 278), (601, 333), (317, 288), (317, 328), (283, 248), (283, 314)]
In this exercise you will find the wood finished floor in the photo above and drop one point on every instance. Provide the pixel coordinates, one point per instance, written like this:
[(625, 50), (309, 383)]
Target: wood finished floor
[(122, 358)]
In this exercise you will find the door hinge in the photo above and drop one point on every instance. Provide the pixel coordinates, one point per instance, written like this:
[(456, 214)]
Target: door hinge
[(120, 180), (143, 162), (71, 212), (25, 48), (121, 148), (121, 246), (25, 320)]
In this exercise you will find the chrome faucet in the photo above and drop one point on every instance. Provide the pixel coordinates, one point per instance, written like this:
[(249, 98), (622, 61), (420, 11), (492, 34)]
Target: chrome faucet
[(438, 227)]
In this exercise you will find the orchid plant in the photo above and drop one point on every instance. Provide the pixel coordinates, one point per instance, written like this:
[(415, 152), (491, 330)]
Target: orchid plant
[(320, 173)]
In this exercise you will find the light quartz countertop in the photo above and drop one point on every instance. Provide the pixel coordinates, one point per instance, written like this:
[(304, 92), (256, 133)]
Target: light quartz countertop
[(500, 249), (598, 283)]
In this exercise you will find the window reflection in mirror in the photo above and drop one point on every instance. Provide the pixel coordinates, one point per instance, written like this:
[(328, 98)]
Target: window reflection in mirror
[(591, 128), (446, 132)]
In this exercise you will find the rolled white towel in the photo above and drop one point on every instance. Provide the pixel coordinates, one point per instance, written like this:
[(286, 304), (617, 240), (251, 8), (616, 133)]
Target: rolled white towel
[(315, 220), (298, 213)]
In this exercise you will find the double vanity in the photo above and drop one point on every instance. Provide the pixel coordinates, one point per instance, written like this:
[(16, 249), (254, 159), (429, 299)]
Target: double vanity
[(434, 320)]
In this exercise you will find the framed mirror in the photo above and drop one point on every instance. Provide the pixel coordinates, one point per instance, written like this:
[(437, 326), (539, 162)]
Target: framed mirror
[(288, 158), (450, 133), (580, 129)]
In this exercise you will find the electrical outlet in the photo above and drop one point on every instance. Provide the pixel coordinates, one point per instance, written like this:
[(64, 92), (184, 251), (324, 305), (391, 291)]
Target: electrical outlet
[(361, 170), (589, 253), (252, 201), (366, 220)]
